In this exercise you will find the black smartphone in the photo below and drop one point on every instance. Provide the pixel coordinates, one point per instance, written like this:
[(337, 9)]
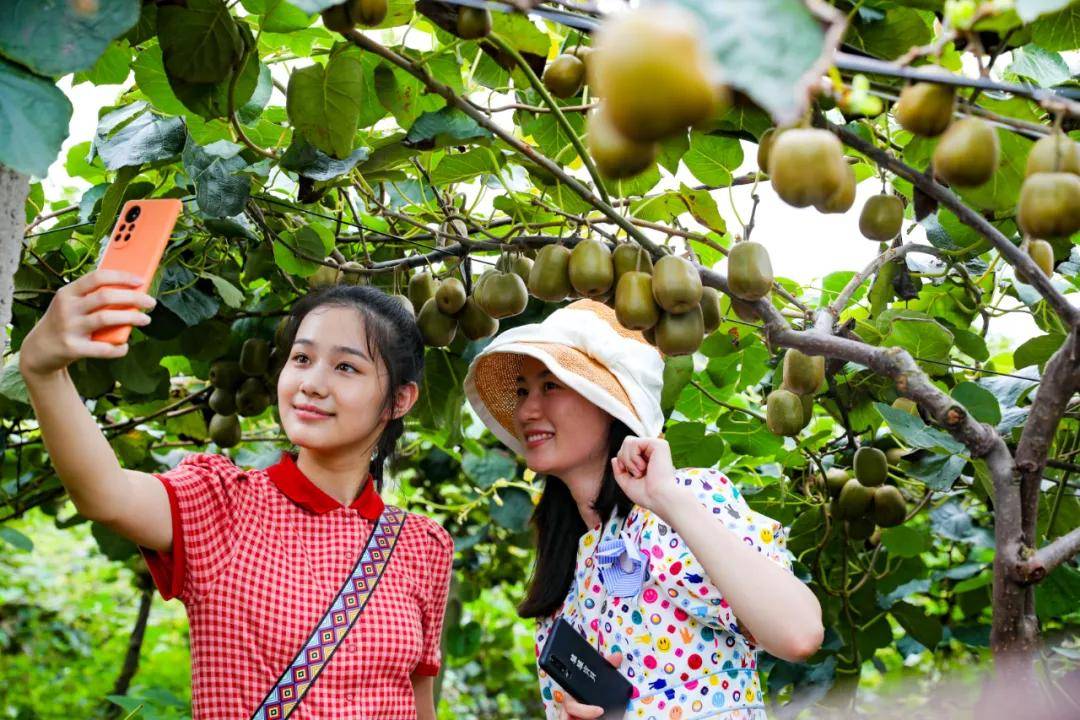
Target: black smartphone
[(583, 672)]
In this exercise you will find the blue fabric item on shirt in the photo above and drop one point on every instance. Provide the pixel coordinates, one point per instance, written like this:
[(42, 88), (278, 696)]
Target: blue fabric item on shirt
[(618, 580)]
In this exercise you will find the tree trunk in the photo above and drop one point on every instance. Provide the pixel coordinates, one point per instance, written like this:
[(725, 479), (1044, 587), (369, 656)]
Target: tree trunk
[(14, 187)]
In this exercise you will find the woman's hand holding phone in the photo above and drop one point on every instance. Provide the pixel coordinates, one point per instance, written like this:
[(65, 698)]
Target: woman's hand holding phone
[(571, 709), (78, 309)]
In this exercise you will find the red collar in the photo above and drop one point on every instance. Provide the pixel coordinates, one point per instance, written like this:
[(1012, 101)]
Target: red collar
[(290, 480)]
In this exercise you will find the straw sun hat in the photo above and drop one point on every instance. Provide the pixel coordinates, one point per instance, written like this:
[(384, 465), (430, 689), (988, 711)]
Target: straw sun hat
[(586, 348)]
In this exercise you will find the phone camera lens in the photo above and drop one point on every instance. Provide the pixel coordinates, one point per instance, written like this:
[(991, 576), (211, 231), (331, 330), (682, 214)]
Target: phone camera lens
[(133, 213)]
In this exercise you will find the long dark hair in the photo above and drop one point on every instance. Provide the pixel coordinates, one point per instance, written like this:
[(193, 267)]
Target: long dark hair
[(559, 527), (392, 337)]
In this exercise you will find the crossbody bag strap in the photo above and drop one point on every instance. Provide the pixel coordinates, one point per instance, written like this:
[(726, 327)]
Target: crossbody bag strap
[(335, 624)]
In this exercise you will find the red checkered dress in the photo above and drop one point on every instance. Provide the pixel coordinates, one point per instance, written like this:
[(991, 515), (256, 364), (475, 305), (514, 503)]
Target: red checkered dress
[(257, 557)]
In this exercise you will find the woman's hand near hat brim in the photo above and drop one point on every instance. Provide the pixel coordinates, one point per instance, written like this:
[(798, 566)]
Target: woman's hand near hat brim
[(644, 471), (571, 709)]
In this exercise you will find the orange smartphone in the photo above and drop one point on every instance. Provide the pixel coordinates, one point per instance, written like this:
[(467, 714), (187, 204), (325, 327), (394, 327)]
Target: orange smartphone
[(136, 245)]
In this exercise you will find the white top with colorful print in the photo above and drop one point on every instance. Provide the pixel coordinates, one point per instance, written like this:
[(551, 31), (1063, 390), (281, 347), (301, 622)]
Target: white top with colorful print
[(685, 652)]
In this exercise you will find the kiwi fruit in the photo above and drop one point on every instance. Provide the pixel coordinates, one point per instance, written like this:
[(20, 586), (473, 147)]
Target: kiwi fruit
[(225, 430), (650, 67), (750, 273), (1042, 253), (324, 276), (549, 278), (855, 499), (252, 398), (581, 52), (634, 304), (882, 217), (630, 257), (352, 273), (254, 356), (676, 285), (742, 309), (517, 264), (225, 374), (564, 76), (871, 466), (783, 413), (1056, 152), (925, 108), (1049, 205), (680, 334), (764, 149), (455, 228), (438, 330), (835, 479), (803, 374), (860, 528), (806, 166), (615, 155), (368, 12), (650, 335), (710, 309), (473, 23), (967, 154), (907, 405), (889, 506), (475, 323), (450, 297), (807, 408), (223, 401), (336, 18), (422, 287), (504, 295), (843, 197), (591, 270), (895, 455)]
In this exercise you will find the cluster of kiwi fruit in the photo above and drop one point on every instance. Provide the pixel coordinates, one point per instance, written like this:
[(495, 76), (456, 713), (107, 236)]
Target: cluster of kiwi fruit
[(654, 79), (865, 500), (444, 307), (790, 407), (347, 15), (1049, 205), (807, 167), (242, 388)]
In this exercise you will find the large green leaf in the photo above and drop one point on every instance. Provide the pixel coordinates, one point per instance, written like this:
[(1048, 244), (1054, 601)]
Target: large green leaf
[(512, 510), (324, 103), (712, 158), (1028, 10), (485, 469), (1059, 31), (151, 80), (306, 159), (766, 48), (211, 100), (1044, 67), (448, 126), (200, 42), (893, 35), (221, 189), (463, 166), (55, 37), (915, 433), (278, 15), (34, 117), (134, 135)]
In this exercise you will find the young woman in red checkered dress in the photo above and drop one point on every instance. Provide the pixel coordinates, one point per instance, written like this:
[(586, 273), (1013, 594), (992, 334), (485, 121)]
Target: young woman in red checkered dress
[(257, 556)]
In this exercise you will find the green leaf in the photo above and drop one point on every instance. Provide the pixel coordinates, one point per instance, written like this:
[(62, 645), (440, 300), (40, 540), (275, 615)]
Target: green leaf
[(133, 135), (34, 117), (53, 37), (1037, 350), (937, 471), (448, 126), (304, 158), (110, 202), (463, 166), (550, 136), (766, 48), (521, 33), (140, 370), (12, 385), (16, 539), (514, 511), (712, 158), (111, 68), (305, 240), (1059, 594), (221, 189), (211, 100), (178, 293), (485, 469), (1029, 10), (278, 15), (979, 402), (403, 95), (918, 624), (691, 446), (324, 103), (917, 434), (152, 81), (1043, 67), (113, 545), (200, 42), (229, 293), (924, 338), (889, 38), (905, 541), (1059, 31)]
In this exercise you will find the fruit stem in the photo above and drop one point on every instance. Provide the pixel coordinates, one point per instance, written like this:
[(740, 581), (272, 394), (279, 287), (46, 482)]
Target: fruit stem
[(560, 118)]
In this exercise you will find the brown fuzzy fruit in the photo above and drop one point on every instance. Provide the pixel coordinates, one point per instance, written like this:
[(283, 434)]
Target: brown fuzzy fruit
[(803, 374), (1042, 253), (967, 154), (438, 330), (806, 166), (1049, 205), (616, 156), (843, 197), (502, 296), (474, 323), (653, 72), (710, 309), (634, 304), (783, 413), (564, 76), (225, 430), (473, 23), (764, 148), (591, 270), (450, 297), (676, 285), (680, 334), (336, 18), (925, 108), (368, 12), (1054, 153), (855, 499), (889, 506), (882, 217), (750, 273), (422, 287), (550, 276), (630, 257)]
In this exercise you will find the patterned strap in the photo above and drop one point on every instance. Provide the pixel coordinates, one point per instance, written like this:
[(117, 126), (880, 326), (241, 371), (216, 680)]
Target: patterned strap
[(328, 635)]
